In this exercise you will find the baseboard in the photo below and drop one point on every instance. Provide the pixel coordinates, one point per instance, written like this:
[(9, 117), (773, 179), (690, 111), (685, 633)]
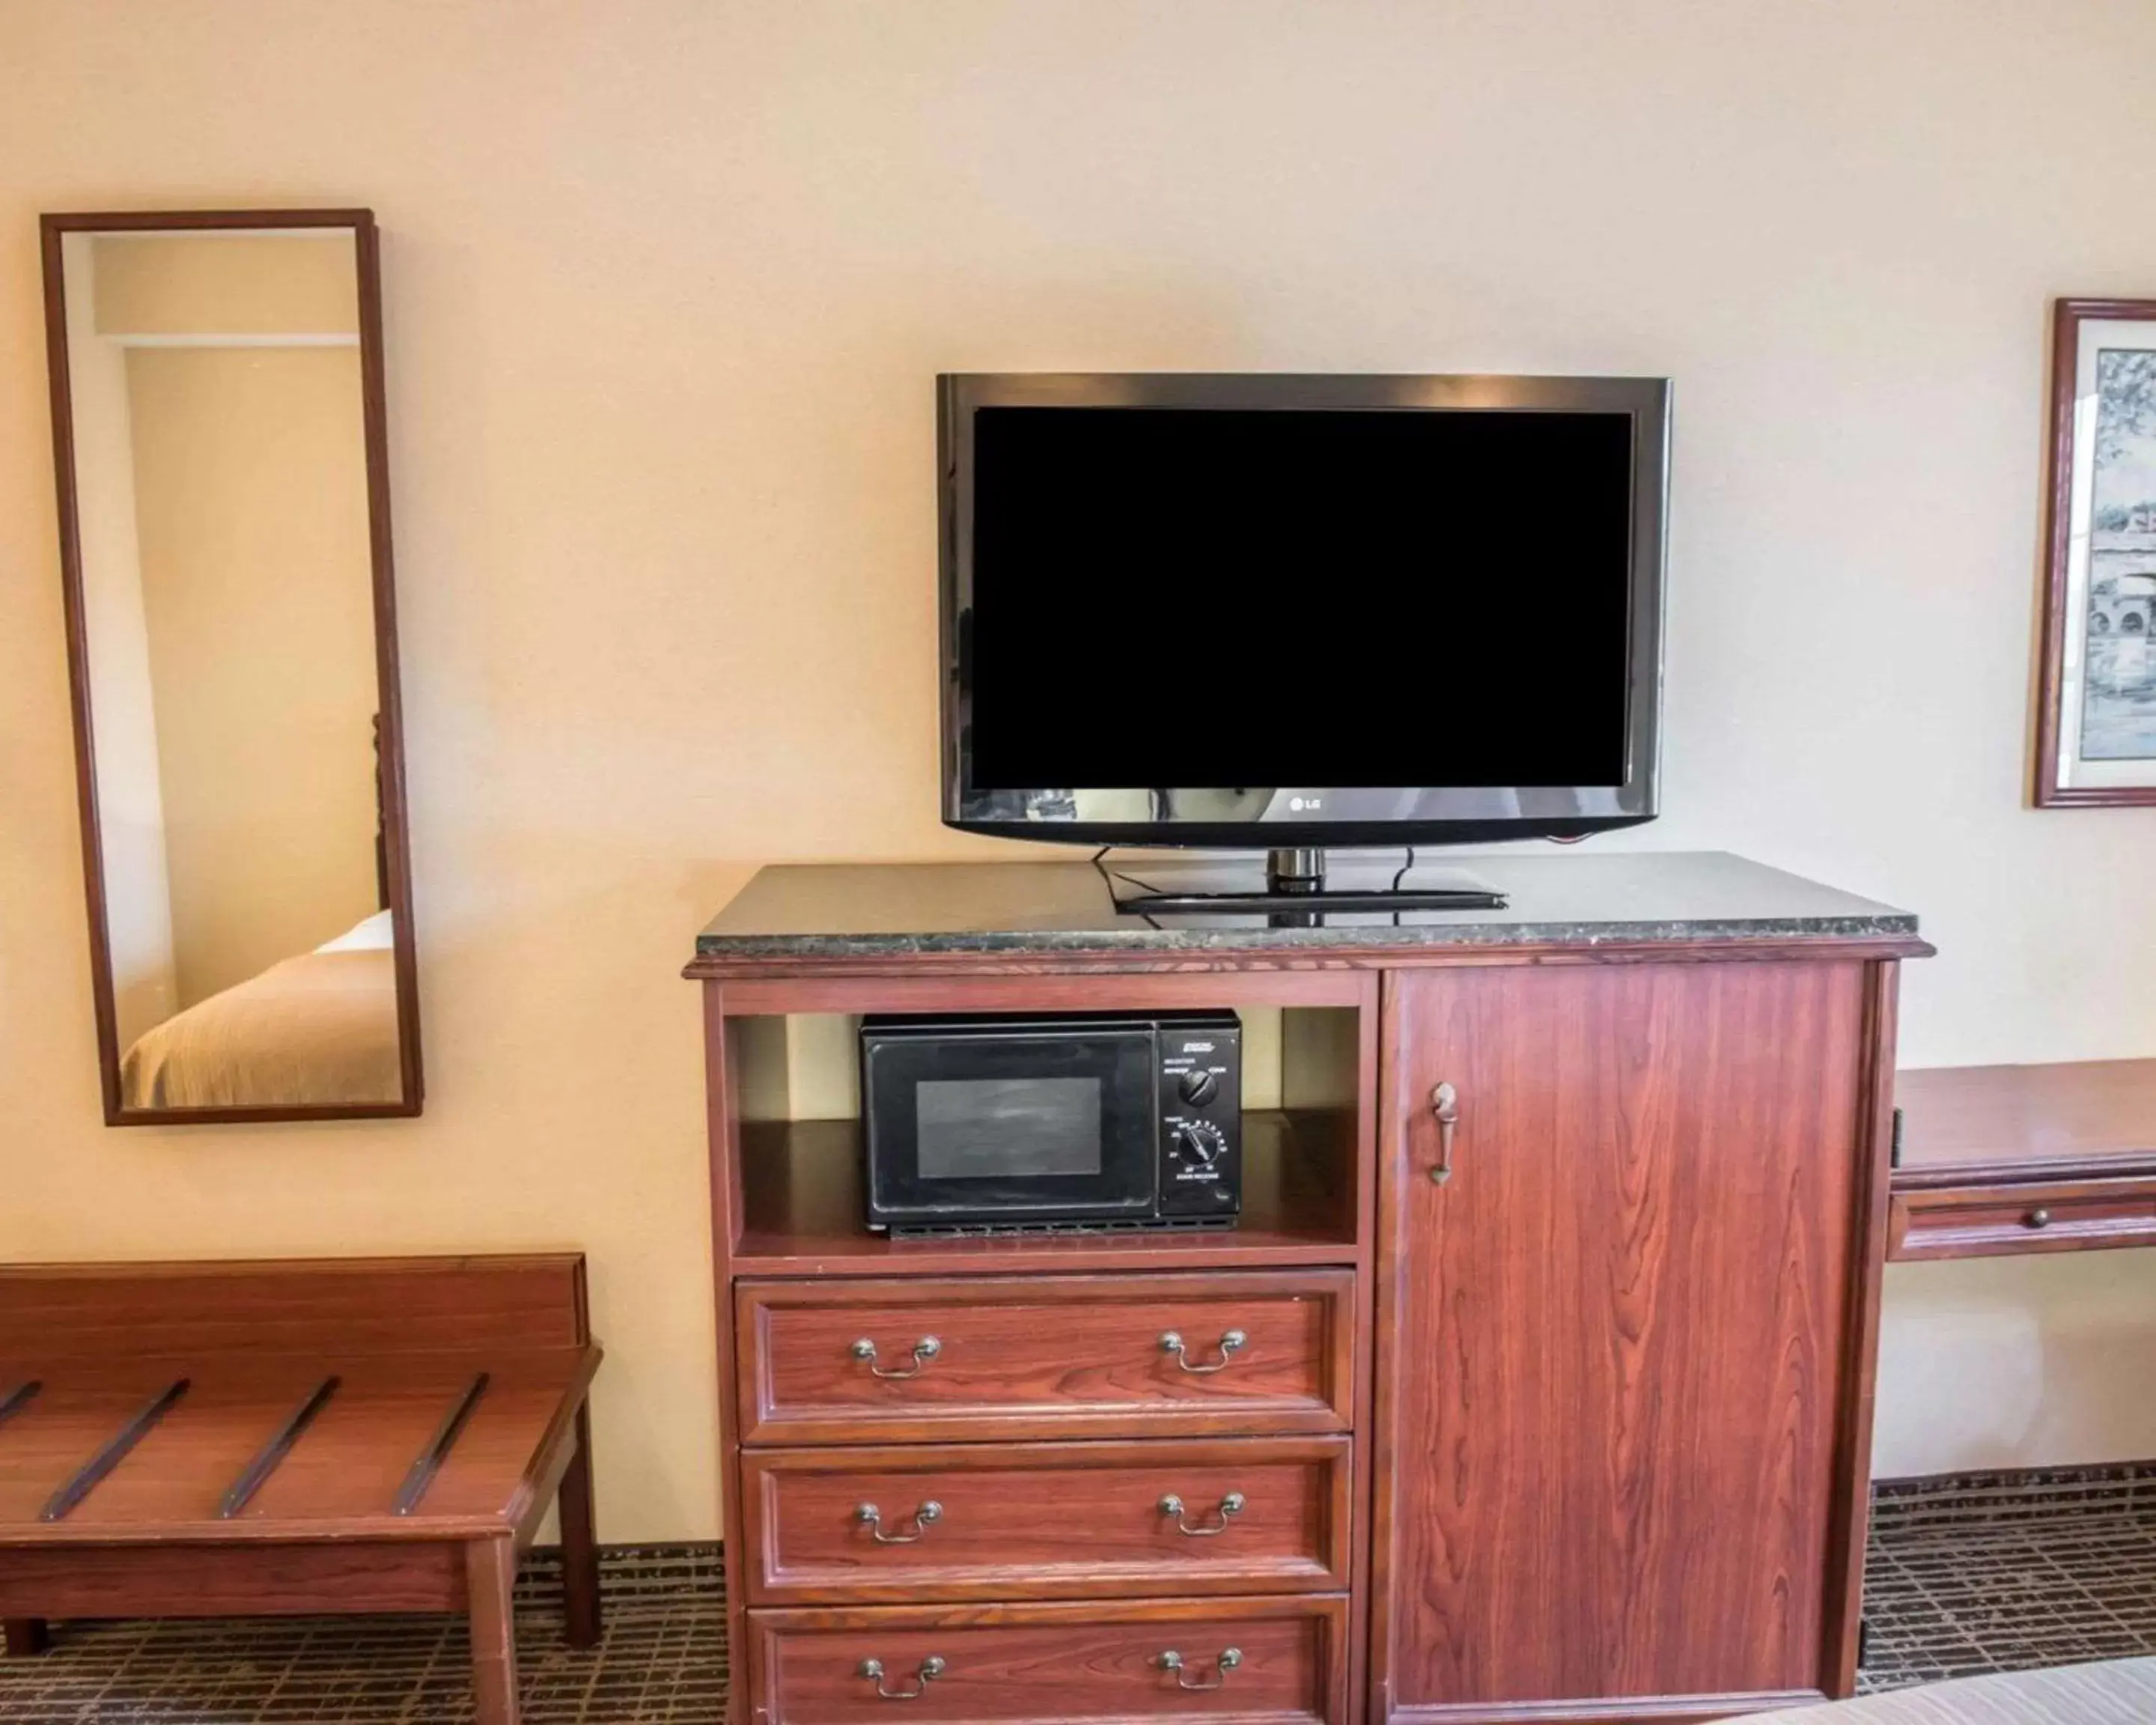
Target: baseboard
[(646, 1570), (1630, 1710), (2080, 1476), (693, 1551)]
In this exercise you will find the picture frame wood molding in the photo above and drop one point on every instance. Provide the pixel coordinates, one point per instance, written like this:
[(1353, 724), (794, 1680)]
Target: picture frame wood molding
[(2059, 773)]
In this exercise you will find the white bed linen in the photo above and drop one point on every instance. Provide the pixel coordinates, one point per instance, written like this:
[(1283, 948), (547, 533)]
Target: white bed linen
[(371, 934)]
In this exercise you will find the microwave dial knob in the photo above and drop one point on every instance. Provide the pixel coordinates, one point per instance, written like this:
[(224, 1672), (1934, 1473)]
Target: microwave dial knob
[(1198, 1086), (1201, 1141)]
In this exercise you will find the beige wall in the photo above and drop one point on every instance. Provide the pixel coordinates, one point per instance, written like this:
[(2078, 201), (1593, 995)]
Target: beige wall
[(250, 482), (667, 281), (2001, 1362)]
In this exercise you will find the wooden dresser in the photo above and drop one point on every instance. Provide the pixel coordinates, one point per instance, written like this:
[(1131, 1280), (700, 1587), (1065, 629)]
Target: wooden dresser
[(1577, 1432)]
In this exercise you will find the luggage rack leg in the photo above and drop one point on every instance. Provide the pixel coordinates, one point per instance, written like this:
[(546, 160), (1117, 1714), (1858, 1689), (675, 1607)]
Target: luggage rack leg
[(490, 1579), (580, 1550), (27, 1637)]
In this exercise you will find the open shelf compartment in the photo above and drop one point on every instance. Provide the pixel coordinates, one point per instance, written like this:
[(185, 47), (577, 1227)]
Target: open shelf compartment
[(803, 1205), (797, 1199)]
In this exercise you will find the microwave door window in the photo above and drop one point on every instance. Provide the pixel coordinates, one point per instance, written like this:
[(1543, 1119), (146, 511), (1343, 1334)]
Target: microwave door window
[(1007, 1128), (966, 1128)]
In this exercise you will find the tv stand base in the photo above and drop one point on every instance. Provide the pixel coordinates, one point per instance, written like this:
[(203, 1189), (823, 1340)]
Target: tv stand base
[(1296, 881)]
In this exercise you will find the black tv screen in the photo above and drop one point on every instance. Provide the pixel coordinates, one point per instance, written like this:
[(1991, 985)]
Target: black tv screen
[(1163, 613)]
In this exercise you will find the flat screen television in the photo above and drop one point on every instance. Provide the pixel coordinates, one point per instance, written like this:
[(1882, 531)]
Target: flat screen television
[(1272, 611)]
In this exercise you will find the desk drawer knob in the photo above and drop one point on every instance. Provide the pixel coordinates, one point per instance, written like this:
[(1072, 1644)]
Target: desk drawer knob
[(931, 1668), (925, 1350), (1230, 1340), (2038, 1218)]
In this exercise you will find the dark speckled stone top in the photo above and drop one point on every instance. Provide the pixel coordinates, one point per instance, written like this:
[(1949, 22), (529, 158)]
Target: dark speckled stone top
[(837, 911)]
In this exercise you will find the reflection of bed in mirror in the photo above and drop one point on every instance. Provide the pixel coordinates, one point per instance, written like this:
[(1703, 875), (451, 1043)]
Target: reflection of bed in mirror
[(319, 1028)]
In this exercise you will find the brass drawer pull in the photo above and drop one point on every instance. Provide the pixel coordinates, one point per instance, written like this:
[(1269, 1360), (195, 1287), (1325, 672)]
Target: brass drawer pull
[(925, 1350), (1231, 1506), (2037, 1219), (870, 1517), (1171, 1342), (931, 1669), (1445, 1107), (1230, 1658)]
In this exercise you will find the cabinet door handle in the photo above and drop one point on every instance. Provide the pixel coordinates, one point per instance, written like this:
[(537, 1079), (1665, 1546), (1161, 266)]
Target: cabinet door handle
[(1230, 1340), (925, 1350), (931, 1669), (870, 1517), (1445, 1107), (1231, 1506), (1230, 1658)]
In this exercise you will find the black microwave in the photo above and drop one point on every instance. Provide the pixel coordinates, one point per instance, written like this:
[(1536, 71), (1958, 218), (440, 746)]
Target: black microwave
[(1068, 1120)]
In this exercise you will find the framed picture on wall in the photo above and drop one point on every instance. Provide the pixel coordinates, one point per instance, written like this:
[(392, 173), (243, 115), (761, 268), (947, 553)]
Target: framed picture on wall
[(2096, 726)]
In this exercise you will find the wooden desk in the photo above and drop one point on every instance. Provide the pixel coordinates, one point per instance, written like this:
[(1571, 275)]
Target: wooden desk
[(1995, 1160)]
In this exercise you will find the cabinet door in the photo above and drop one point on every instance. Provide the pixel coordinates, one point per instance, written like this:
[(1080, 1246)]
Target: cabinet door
[(1619, 1332)]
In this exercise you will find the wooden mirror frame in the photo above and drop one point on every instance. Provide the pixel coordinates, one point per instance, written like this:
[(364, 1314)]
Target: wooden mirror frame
[(394, 850)]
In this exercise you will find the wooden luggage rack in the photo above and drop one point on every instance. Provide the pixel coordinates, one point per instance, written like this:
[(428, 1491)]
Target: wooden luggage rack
[(288, 1438)]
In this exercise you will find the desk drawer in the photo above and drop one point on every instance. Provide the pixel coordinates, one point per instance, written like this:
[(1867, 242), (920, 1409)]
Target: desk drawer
[(1241, 1353), (1995, 1221), (1044, 1664), (1047, 1521)]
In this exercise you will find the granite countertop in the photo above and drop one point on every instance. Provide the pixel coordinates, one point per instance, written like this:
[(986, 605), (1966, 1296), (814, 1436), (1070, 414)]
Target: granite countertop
[(857, 910)]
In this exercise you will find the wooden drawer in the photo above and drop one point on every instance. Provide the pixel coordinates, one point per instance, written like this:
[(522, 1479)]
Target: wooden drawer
[(1045, 1356), (1995, 1220), (1047, 1521), (1045, 1664)]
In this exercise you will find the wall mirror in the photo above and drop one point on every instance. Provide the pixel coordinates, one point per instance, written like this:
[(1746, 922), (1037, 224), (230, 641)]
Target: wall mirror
[(219, 443)]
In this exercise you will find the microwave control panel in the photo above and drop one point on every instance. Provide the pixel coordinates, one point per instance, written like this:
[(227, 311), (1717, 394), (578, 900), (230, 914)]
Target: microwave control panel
[(1201, 1085)]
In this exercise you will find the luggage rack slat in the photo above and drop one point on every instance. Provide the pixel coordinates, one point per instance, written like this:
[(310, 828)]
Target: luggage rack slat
[(19, 1398), (430, 1460), (117, 1449), (271, 1455)]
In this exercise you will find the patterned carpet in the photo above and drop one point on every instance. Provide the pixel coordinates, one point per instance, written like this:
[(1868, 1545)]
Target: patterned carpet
[(2007, 1572), (664, 1658), (1988, 1573)]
